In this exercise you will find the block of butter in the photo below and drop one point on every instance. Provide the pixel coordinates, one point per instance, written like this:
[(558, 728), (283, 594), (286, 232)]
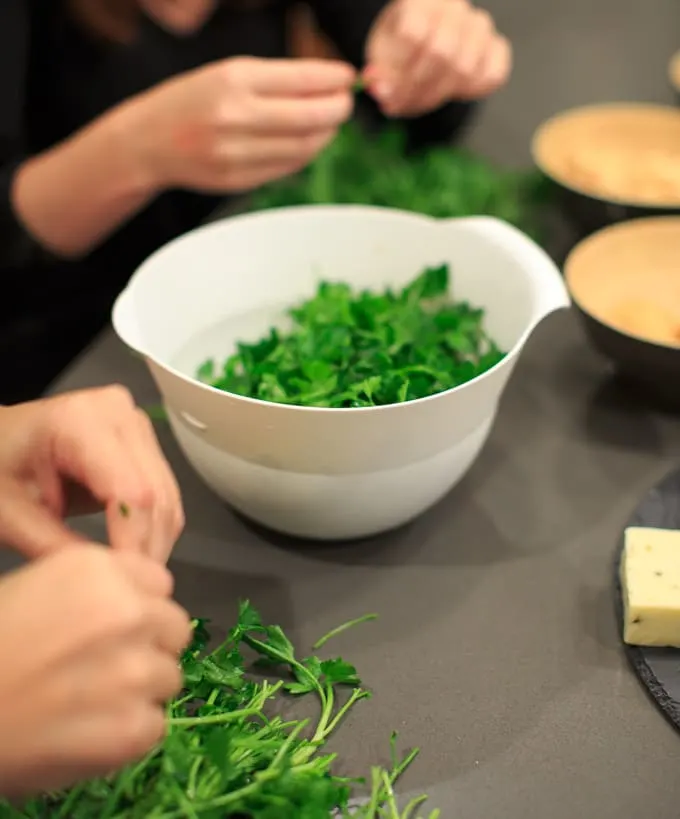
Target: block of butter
[(650, 585)]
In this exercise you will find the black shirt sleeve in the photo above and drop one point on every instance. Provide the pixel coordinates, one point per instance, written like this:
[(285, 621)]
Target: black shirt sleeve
[(348, 23), (17, 248)]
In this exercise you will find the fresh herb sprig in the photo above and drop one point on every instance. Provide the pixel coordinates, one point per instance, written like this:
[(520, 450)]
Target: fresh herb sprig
[(443, 182), (156, 412), (228, 753), (364, 349)]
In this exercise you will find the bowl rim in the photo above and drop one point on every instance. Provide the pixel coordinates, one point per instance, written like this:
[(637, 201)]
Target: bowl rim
[(674, 71), (601, 106), (593, 237), (508, 357)]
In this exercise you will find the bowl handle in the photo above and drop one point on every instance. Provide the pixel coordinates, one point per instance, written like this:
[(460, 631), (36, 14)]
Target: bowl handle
[(551, 292)]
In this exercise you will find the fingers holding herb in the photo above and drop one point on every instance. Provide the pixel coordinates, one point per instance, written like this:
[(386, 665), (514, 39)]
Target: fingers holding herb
[(424, 53), (227, 753), (89, 696), (94, 448), (28, 525), (151, 517), (101, 440), (147, 576), (238, 123)]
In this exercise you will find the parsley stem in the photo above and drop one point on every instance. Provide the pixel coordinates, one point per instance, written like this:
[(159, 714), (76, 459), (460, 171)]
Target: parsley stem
[(268, 690), (389, 795), (327, 702), (339, 630), (404, 764), (212, 719), (374, 804), (189, 811), (13, 813), (290, 739), (222, 801), (357, 694), (287, 659), (69, 802), (193, 777), (413, 806)]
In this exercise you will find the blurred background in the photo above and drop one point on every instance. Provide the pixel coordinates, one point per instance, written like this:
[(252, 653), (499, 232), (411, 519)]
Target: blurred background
[(566, 54)]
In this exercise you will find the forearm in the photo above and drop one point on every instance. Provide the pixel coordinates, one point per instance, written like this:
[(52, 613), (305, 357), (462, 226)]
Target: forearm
[(73, 196)]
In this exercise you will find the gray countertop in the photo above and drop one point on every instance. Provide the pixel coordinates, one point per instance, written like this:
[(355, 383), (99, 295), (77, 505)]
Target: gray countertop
[(497, 649)]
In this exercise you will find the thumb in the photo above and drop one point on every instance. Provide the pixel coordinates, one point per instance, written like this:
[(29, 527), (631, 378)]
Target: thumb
[(28, 526)]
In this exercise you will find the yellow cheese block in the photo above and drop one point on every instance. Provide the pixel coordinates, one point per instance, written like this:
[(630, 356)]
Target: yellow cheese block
[(650, 583)]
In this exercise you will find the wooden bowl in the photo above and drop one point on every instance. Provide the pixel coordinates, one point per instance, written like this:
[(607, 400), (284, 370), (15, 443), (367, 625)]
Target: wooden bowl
[(624, 283), (674, 74), (612, 162)]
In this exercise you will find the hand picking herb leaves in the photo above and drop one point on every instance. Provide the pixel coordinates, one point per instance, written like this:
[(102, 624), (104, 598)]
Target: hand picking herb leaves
[(364, 349), (228, 753), (444, 182)]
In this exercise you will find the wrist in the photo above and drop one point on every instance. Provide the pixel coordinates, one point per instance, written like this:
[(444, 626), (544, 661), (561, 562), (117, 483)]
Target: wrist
[(121, 135), (133, 134)]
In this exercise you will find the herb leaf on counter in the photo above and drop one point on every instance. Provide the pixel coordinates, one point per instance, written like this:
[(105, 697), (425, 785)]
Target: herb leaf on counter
[(364, 349), (228, 753)]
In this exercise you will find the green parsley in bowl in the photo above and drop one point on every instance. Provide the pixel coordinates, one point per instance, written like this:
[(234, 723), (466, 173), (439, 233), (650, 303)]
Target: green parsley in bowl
[(350, 348)]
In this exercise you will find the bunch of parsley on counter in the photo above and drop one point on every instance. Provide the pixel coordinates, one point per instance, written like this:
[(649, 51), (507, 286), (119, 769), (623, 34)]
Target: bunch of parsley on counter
[(229, 754), (364, 349), (444, 182)]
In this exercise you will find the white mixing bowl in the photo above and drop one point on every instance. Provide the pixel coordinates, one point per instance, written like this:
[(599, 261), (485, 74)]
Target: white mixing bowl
[(327, 473)]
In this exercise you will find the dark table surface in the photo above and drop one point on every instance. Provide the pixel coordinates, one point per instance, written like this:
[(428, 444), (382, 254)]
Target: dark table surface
[(497, 647)]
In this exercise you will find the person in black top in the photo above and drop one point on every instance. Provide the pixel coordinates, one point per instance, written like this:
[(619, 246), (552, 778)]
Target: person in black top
[(123, 123), (90, 635)]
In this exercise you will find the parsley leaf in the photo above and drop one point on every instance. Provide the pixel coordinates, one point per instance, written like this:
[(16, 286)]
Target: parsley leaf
[(365, 349)]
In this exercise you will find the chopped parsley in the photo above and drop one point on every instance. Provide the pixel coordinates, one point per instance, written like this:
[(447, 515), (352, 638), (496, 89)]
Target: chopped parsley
[(231, 752), (365, 349)]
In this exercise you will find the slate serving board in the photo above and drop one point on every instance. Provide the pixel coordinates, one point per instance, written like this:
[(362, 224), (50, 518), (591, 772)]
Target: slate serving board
[(657, 668)]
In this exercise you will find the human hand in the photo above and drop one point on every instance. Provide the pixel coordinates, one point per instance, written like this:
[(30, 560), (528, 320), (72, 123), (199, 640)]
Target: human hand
[(237, 124), (422, 54), (78, 452), (89, 647)]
